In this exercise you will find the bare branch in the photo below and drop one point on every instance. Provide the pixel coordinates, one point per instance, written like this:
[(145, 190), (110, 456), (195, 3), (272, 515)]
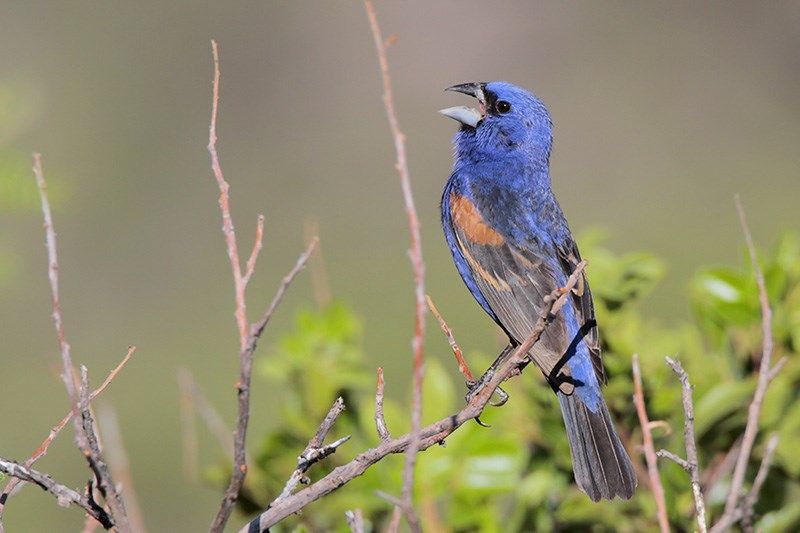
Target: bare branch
[(749, 503), (65, 495), (257, 245), (41, 451), (430, 435), (248, 334), (69, 377), (94, 456), (680, 461), (120, 464), (765, 374), (380, 421), (463, 367), (649, 449), (213, 420), (418, 266), (314, 450), (258, 328), (691, 464)]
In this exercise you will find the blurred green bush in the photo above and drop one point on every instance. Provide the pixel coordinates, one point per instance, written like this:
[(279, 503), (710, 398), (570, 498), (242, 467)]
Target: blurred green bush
[(516, 475)]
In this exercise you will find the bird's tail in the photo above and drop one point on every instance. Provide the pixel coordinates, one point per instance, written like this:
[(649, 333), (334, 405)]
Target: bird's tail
[(601, 465)]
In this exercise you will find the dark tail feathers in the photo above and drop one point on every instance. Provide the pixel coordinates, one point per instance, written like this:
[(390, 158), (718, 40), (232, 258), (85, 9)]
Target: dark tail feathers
[(601, 464)]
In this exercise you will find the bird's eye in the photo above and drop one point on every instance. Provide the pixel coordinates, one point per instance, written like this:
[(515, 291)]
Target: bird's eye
[(503, 107)]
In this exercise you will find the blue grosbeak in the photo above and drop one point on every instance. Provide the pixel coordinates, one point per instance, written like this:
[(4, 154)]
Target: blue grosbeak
[(512, 246)]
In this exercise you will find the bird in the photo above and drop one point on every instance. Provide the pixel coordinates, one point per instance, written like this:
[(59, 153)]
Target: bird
[(512, 246)]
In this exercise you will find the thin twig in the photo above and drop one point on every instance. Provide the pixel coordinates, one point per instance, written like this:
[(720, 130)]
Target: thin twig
[(314, 451), (380, 420), (319, 274), (250, 267), (394, 522), (430, 435), (214, 422), (65, 495), (248, 334), (43, 448), (120, 464), (94, 456), (69, 376), (765, 374), (749, 503), (649, 449), (418, 267), (355, 520), (691, 464), (463, 367), (258, 328)]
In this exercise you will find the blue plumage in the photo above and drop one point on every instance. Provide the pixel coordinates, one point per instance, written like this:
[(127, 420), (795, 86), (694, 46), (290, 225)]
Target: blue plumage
[(512, 246)]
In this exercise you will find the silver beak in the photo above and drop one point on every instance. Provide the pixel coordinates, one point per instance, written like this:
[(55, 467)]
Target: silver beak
[(466, 115)]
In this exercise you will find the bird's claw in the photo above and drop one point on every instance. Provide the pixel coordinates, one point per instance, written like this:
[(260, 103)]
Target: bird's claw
[(502, 398)]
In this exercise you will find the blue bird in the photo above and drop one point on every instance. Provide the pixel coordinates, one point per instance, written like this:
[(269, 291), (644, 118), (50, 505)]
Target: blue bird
[(512, 246)]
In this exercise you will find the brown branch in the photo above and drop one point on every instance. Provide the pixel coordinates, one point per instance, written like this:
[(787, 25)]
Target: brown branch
[(749, 503), (314, 451), (691, 464), (120, 464), (248, 334), (649, 449), (94, 456), (65, 495), (380, 421), (430, 435), (69, 377), (463, 367), (765, 374), (43, 448), (250, 267), (418, 266), (394, 522)]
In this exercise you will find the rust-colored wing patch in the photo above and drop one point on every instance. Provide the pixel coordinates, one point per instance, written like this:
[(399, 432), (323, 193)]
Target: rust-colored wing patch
[(469, 220)]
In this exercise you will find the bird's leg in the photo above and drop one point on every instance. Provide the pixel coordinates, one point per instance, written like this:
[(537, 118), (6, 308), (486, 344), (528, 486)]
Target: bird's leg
[(475, 386)]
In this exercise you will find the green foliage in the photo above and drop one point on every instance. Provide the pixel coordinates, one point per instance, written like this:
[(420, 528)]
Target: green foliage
[(516, 475)]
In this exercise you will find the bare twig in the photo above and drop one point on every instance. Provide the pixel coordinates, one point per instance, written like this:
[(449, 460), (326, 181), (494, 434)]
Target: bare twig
[(216, 425), (94, 456), (42, 449), (394, 522), (69, 377), (355, 519), (319, 274), (314, 451), (120, 464), (749, 503), (380, 420), (649, 449), (248, 334), (418, 266), (691, 464), (463, 367), (258, 328), (430, 435), (765, 374), (65, 495), (257, 245)]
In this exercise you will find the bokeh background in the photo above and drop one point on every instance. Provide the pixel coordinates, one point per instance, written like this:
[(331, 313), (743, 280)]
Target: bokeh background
[(662, 112)]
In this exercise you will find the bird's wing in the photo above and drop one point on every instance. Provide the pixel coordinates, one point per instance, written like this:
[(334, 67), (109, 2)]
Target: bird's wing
[(584, 306), (514, 281)]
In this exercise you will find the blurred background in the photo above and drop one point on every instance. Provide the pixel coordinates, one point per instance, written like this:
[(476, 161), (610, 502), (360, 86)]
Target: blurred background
[(662, 112)]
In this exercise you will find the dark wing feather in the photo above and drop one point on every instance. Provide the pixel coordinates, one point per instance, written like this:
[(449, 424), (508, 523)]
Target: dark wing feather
[(514, 280), (584, 307)]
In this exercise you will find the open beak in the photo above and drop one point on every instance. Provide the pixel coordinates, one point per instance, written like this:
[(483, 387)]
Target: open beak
[(468, 116)]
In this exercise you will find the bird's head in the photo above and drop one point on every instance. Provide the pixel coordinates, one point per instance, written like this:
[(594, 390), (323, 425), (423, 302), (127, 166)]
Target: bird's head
[(508, 120)]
